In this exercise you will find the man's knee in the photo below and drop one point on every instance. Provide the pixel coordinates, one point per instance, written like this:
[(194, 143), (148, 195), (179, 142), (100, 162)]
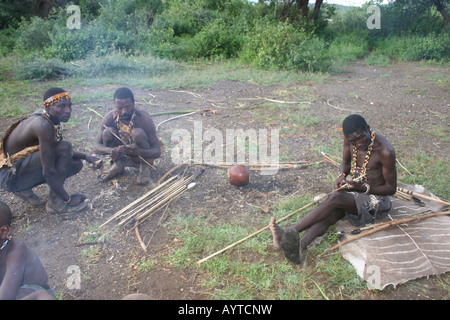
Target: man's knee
[(108, 136), (338, 199), (139, 136), (64, 148), (77, 165)]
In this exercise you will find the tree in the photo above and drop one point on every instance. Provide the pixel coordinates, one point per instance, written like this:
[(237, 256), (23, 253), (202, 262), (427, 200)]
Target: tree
[(299, 8), (442, 6)]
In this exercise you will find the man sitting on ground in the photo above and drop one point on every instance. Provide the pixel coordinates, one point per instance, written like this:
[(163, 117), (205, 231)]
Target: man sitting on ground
[(22, 275), (129, 136), (368, 176), (33, 152)]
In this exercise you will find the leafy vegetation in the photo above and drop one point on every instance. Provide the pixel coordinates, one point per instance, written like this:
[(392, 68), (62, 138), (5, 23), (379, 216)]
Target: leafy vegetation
[(272, 35)]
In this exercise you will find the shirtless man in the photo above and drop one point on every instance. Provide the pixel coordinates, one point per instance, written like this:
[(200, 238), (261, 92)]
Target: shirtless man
[(138, 145), (22, 275), (33, 152), (368, 176)]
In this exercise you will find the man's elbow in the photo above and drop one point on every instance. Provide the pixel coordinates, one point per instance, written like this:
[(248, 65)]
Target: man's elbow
[(393, 189)]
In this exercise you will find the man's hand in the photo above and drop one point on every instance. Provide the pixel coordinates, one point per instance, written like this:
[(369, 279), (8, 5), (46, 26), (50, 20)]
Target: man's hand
[(94, 161), (131, 149), (354, 186), (117, 152)]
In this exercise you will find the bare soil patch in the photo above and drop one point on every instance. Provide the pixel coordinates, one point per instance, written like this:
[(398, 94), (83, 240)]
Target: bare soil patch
[(395, 100)]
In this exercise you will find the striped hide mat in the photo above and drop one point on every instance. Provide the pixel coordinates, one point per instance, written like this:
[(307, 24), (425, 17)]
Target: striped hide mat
[(403, 252)]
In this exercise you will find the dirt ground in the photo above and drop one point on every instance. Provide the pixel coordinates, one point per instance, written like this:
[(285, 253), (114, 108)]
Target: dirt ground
[(394, 100)]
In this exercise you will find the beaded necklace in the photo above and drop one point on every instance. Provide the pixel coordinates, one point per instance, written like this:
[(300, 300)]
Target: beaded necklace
[(362, 171), (58, 129), (125, 131)]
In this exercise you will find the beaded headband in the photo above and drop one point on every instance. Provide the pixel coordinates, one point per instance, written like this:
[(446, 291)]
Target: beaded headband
[(55, 99)]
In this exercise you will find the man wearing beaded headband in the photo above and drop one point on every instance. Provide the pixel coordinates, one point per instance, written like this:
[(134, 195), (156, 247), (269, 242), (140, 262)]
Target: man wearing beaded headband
[(33, 152), (367, 177), (128, 135)]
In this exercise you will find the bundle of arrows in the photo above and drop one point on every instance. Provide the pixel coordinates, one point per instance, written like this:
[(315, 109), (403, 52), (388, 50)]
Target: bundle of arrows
[(154, 200)]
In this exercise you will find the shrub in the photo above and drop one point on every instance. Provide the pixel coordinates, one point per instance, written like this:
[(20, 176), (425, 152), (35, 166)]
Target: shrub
[(431, 47), (348, 47), (279, 45), (114, 64), (7, 41), (118, 63), (217, 39), (33, 35), (377, 58), (37, 68), (416, 48)]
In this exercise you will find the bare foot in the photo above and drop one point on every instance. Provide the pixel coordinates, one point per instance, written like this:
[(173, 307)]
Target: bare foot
[(277, 233), (288, 241), (144, 174), (30, 197), (116, 168)]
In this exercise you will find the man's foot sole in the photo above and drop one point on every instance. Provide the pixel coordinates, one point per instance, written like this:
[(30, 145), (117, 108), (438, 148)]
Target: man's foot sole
[(290, 243)]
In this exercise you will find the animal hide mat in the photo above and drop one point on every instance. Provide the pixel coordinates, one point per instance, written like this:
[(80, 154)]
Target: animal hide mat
[(404, 252)]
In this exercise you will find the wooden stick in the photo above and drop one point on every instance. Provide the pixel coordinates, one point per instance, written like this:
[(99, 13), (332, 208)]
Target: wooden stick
[(114, 216), (266, 227), (330, 160), (384, 226), (423, 196), (169, 172), (138, 236), (153, 200)]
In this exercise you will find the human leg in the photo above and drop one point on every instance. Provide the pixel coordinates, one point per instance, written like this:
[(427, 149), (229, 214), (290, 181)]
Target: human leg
[(336, 202), (28, 174), (316, 222), (109, 137), (66, 166), (142, 141)]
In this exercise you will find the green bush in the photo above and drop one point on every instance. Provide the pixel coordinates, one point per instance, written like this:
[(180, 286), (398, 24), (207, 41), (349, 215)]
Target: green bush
[(377, 58), (118, 27), (348, 47), (7, 41), (416, 48), (33, 35), (38, 68), (431, 47), (114, 64), (280, 45), (217, 39)]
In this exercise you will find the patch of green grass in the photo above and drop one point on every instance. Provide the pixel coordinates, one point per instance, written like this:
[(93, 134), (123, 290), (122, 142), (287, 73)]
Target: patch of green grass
[(378, 59), (15, 98), (250, 270), (430, 172)]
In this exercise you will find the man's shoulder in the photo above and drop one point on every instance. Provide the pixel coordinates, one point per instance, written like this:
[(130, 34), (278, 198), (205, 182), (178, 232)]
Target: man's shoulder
[(35, 121), (143, 116), (385, 146)]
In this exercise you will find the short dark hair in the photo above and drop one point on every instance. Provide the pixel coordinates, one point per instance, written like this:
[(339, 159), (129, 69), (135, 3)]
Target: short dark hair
[(352, 123), (5, 214), (123, 93), (52, 91)]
